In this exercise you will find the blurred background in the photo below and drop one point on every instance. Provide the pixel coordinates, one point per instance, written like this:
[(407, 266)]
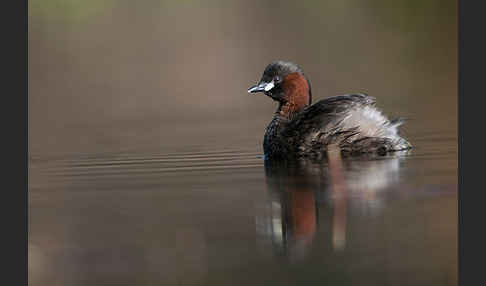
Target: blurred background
[(145, 148), (114, 75)]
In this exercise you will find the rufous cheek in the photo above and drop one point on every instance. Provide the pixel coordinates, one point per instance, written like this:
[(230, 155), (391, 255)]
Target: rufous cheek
[(296, 90)]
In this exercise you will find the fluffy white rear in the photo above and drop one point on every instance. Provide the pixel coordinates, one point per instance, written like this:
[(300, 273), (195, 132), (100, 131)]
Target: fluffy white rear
[(370, 122)]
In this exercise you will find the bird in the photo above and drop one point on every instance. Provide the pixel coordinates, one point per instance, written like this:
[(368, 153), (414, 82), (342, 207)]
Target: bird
[(349, 123)]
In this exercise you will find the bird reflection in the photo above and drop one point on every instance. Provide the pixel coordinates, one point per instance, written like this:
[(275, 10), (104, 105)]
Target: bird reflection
[(298, 191)]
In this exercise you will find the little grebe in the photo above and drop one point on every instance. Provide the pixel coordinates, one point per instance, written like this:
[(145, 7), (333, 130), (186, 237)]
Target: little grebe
[(349, 122)]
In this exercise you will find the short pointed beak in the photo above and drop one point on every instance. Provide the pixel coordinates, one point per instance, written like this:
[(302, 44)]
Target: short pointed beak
[(261, 87)]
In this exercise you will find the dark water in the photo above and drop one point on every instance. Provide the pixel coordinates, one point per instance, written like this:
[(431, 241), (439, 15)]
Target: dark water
[(224, 218), (145, 149)]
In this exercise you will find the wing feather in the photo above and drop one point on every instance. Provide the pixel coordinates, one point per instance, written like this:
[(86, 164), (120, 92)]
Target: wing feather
[(324, 118)]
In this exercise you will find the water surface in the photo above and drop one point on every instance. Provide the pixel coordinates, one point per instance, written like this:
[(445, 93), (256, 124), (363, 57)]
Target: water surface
[(227, 218)]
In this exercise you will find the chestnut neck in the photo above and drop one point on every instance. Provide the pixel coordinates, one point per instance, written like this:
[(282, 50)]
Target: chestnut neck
[(296, 95)]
